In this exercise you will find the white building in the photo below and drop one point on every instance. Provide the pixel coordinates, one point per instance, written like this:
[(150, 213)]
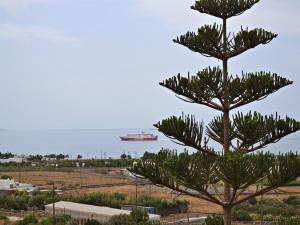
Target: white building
[(6, 184), (11, 186), (15, 159), (83, 211)]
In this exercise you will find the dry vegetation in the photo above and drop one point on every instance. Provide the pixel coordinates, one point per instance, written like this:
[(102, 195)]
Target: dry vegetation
[(123, 185)]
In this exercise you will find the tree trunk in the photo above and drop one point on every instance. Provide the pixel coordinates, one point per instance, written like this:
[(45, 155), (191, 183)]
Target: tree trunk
[(226, 123), (227, 215)]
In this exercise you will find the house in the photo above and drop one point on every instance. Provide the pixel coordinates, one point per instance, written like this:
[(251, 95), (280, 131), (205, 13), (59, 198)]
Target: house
[(8, 186), (83, 211), (15, 159)]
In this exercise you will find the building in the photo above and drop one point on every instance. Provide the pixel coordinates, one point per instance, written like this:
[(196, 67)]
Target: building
[(83, 211), (15, 159), (10, 186)]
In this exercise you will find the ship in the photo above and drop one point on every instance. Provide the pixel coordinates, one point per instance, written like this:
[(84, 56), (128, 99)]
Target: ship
[(139, 137)]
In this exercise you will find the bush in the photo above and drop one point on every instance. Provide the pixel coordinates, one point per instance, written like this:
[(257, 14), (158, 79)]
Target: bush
[(253, 201), (99, 199), (92, 222), (158, 203), (30, 219), (289, 221), (214, 220), (5, 177), (139, 216), (59, 220), (292, 200), (121, 219), (241, 215), (272, 207)]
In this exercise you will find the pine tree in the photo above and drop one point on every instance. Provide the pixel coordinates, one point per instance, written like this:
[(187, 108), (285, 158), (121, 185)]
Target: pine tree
[(238, 164)]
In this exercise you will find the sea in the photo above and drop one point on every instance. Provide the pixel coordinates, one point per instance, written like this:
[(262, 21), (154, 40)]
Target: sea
[(102, 143)]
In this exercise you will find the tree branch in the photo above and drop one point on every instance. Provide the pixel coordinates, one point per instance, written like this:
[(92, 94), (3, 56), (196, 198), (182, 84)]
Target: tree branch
[(217, 192), (208, 104), (257, 193)]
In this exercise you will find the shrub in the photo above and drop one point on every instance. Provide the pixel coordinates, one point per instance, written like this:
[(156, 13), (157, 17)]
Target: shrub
[(121, 219), (139, 216), (158, 203), (289, 221), (5, 177), (214, 220), (241, 215), (100, 199), (292, 200), (59, 220), (30, 219), (92, 222), (253, 201)]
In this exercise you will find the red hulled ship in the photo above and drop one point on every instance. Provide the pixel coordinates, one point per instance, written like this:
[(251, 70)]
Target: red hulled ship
[(139, 137)]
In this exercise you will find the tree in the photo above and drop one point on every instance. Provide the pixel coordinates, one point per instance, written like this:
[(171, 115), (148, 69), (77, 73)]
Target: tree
[(237, 164), (92, 222), (148, 155)]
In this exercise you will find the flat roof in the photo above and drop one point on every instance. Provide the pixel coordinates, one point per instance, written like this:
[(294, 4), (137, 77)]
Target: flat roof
[(100, 210)]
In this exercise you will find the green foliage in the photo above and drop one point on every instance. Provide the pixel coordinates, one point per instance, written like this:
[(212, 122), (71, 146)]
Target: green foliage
[(241, 215), (121, 219), (295, 183), (207, 85), (100, 199), (148, 155), (6, 155), (139, 216), (14, 202), (270, 207), (136, 217), (195, 88), (23, 202), (184, 129), (232, 165), (254, 86), (268, 129), (59, 220), (5, 177), (30, 219), (214, 220), (223, 9), (293, 201), (208, 41), (289, 221), (253, 201), (240, 170), (197, 170), (92, 222), (158, 203), (253, 130), (38, 201)]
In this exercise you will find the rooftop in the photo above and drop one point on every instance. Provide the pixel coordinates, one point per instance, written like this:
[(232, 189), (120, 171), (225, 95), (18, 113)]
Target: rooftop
[(101, 210)]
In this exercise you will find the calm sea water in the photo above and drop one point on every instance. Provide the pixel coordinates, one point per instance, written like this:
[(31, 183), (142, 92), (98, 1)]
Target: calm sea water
[(102, 143)]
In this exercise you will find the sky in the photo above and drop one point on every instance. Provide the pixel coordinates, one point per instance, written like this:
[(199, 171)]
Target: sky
[(93, 64)]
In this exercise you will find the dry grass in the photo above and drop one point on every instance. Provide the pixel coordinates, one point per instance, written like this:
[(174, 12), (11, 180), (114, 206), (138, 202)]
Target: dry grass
[(62, 179), (67, 179)]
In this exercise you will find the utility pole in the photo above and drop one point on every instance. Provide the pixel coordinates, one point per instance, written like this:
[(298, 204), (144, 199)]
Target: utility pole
[(136, 193), (19, 172), (53, 203)]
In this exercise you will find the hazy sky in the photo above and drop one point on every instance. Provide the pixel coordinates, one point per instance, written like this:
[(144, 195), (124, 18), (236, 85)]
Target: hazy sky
[(97, 63)]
